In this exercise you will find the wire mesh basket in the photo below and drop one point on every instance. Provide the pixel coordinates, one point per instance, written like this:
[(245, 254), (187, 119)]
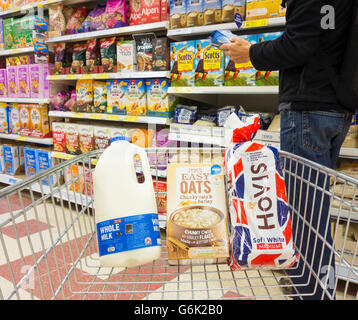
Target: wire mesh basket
[(48, 245)]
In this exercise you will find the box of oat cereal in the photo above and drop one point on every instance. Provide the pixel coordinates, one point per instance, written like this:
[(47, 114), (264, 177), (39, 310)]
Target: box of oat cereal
[(157, 98), (40, 126), (4, 118), (116, 91), (178, 13), (3, 83), (135, 98), (14, 118)]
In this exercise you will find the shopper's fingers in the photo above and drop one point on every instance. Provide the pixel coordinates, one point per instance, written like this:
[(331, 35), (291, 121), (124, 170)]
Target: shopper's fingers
[(225, 46)]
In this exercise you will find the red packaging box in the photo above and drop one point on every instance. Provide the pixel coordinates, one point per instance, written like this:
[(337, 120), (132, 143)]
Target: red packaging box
[(164, 10), (161, 186), (142, 12)]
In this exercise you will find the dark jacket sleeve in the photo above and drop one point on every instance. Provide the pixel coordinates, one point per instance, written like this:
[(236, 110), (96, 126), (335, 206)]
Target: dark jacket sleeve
[(299, 41)]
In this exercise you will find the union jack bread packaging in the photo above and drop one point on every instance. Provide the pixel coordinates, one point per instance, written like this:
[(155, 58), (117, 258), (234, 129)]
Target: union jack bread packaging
[(260, 228)]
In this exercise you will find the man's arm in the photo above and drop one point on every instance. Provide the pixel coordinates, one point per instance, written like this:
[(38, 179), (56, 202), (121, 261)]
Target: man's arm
[(298, 43)]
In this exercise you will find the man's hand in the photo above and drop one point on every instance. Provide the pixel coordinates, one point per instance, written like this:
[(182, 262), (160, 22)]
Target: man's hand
[(238, 50)]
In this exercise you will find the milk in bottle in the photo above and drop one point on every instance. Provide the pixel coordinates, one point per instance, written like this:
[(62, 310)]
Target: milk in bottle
[(126, 212)]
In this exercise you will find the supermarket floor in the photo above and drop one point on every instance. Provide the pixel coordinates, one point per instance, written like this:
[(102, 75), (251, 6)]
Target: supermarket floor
[(69, 269)]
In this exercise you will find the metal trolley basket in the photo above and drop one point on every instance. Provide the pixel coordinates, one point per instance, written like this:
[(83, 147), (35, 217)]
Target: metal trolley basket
[(48, 246)]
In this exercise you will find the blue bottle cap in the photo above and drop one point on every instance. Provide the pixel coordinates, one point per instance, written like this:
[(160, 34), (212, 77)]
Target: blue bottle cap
[(119, 138)]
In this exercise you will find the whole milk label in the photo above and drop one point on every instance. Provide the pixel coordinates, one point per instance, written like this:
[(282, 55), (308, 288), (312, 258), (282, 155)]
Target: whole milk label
[(128, 233)]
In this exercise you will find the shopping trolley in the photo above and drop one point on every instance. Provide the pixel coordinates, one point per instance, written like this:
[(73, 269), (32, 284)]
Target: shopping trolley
[(48, 246)]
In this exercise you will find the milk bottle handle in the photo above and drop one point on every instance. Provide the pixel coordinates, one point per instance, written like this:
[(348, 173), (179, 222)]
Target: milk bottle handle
[(145, 163)]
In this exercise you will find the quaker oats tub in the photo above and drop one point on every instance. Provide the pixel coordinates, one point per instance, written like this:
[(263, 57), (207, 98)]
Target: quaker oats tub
[(196, 213)]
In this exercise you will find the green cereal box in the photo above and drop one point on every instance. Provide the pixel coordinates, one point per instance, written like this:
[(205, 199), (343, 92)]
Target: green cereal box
[(17, 27), (209, 64), (267, 78), (27, 31), (182, 55), (243, 74), (8, 33)]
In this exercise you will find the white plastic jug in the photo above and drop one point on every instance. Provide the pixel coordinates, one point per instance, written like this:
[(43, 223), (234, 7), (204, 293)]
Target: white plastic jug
[(126, 211)]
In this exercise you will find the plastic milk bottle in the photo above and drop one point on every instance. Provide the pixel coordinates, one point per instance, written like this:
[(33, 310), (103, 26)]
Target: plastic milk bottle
[(126, 212)]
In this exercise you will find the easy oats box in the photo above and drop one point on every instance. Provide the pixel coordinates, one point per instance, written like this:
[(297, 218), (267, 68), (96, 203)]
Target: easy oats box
[(182, 55), (243, 74), (209, 64)]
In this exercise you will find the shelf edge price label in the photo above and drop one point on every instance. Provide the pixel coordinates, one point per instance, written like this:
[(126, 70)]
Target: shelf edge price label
[(21, 138), (78, 115), (71, 77), (182, 89), (112, 117), (255, 23), (95, 116), (102, 76), (131, 118)]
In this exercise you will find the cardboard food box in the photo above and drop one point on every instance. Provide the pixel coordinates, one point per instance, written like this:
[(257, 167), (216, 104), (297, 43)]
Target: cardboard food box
[(160, 189), (59, 136), (212, 12), (8, 33), (136, 98), (14, 118), (231, 7), (2, 43), (158, 98), (182, 55), (2, 164), (197, 221), (3, 83), (261, 9), (116, 91), (80, 179), (24, 81), (25, 120), (143, 11), (4, 118), (126, 131), (102, 137), (126, 56), (13, 159), (209, 64), (161, 52), (72, 138), (12, 81), (195, 13), (178, 14), (30, 161), (39, 121), (240, 74), (86, 137), (46, 161), (267, 78)]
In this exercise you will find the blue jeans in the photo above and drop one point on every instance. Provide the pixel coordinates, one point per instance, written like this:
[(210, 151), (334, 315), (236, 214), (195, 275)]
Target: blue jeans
[(316, 136)]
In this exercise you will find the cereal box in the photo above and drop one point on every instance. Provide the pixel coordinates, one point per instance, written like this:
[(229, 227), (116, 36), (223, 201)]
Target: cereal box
[(45, 92), (231, 7), (84, 95), (267, 78), (73, 176), (178, 13), (209, 64), (72, 138), (59, 137), (39, 121), (212, 12), (160, 188), (12, 81), (116, 90), (126, 57), (13, 159), (14, 118), (8, 33), (86, 138), (261, 9), (2, 44), (25, 122), (164, 10), (195, 13), (35, 80), (30, 160), (99, 97), (27, 31), (2, 165), (161, 52), (17, 26), (4, 118), (126, 131), (3, 83), (102, 137), (46, 161), (24, 81), (157, 98), (182, 55), (143, 11), (240, 74), (197, 213), (6, 4), (135, 98)]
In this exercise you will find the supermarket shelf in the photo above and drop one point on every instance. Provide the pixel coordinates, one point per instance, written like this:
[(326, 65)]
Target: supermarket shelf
[(45, 141), (349, 153), (346, 274), (224, 90), (111, 117), (207, 30), (25, 100), (18, 10), (104, 76), (344, 214), (149, 27), (11, 52)]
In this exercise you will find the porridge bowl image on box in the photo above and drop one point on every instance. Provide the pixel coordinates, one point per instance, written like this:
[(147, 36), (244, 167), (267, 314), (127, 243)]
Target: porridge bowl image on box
[(197, 226)]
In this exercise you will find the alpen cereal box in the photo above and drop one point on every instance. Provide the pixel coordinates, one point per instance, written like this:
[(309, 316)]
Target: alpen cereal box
[(182, 55), (196, 213), (4, 118), (209, 64), (144, 11), (157, 98), (14, 118), (267, 78), (240, 74), (135, 98)]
